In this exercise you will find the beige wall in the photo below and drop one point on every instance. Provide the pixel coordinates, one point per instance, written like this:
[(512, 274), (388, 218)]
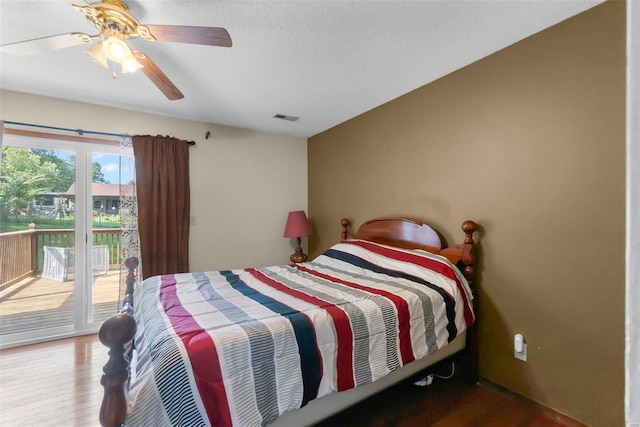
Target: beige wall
[(242, 182), (530, 143)]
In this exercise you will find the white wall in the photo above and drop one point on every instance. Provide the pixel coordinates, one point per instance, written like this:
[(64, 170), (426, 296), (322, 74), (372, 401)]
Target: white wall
[(243, 183)]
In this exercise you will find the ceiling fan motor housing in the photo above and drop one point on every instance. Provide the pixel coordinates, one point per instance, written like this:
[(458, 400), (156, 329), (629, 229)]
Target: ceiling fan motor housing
[(114, 14)]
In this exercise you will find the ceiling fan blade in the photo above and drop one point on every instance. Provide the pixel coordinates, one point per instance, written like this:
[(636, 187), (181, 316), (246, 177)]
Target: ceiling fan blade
[(211, 36), (160, 79), (45, 44)]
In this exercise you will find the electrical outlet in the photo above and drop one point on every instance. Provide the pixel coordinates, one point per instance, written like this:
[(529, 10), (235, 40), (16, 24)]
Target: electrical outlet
[(519, 347)]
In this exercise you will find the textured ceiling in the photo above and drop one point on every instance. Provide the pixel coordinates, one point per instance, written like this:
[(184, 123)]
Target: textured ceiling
[(322, 61)]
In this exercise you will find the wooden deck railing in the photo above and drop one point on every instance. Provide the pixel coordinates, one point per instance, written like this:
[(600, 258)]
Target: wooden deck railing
[(21, 252), (15, 255)]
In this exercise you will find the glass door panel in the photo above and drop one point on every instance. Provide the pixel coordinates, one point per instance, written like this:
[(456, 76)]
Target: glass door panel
[(37, 240), (105, 224)]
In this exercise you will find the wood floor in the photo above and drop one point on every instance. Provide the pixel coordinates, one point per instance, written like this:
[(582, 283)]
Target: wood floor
[(58, 384), (34, 302), (52, 384), (448, 403)]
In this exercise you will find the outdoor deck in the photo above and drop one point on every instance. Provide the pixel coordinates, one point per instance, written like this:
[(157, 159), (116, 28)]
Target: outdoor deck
[(34, 302)]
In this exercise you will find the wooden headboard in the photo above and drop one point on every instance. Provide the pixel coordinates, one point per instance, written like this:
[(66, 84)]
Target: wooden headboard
[(408, 233)]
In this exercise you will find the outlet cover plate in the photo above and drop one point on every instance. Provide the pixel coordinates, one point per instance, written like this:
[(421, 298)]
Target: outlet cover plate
[(521, 355)]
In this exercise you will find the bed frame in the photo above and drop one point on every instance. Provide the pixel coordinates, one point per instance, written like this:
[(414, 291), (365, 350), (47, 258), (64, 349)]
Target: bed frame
[(118, 331)]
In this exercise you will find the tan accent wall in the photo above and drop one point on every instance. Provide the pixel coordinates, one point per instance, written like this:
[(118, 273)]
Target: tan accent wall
[(241, 180), (530, 143)]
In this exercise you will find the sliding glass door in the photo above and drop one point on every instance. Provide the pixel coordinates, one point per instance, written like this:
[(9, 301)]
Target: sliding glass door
[(105, 231), (59, 238)]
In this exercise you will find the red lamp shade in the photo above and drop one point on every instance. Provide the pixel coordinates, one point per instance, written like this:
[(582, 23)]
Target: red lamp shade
[(297, 225)]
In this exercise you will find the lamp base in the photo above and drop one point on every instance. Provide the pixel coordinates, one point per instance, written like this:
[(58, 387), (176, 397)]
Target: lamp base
[(299, 256)]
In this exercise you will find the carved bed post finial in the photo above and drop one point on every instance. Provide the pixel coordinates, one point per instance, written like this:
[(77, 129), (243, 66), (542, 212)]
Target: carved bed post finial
[(345, 229), (132, 264), (468, 227)]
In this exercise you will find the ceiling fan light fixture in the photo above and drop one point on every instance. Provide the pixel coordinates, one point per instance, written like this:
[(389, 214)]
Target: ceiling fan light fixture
[(116, 49), (130, 65), (96, 53)]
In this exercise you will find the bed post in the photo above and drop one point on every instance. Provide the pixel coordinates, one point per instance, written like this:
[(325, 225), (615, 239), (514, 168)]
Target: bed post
[(469, 356), (132, 264), (345, 229), (116, 333), (469, 271)]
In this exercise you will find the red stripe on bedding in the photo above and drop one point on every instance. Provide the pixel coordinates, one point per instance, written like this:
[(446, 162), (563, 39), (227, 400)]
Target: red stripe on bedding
[(344, 360), (202, 352), (432, 264), (402, 308)]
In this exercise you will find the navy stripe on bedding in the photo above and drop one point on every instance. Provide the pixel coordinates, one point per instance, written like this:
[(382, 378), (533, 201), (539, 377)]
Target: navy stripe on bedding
[(310, 360)]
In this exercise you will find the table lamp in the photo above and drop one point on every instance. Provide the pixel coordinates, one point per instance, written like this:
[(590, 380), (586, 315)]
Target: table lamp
[(297, 226)]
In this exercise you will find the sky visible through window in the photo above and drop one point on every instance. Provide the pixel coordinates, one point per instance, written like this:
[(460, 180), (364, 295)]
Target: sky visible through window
[(111, 167)]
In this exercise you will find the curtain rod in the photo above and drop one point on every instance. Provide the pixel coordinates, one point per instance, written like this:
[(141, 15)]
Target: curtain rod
[(78, 131)]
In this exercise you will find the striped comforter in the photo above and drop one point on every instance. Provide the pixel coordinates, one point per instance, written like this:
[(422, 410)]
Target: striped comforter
[(241, 347)]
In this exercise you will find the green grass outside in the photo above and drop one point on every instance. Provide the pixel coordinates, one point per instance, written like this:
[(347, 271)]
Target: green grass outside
[(22, 223)]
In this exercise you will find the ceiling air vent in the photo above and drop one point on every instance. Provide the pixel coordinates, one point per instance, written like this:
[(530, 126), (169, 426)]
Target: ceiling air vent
[(283, 117)]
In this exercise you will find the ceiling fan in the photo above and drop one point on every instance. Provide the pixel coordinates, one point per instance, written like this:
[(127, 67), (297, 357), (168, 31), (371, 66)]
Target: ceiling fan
[(115, 25)]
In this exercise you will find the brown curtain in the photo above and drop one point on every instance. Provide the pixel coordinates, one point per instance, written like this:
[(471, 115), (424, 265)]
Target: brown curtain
[(162, 181)]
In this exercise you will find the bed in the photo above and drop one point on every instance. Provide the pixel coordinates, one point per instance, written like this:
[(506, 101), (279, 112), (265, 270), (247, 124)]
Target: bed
[(290, 345)]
